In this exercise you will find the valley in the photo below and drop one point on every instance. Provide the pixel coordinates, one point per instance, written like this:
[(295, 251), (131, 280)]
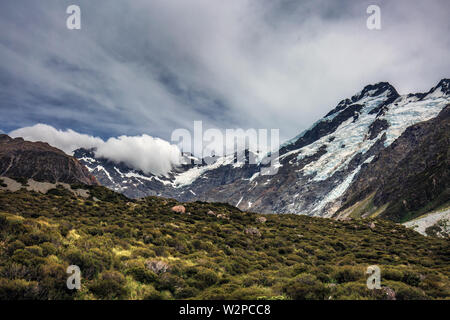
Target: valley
[(366, 185)]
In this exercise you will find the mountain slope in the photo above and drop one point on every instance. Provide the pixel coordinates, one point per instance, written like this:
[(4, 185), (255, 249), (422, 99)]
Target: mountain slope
[(315, 168), (313, 175), (182, 183), (408, 178), (41, 162)]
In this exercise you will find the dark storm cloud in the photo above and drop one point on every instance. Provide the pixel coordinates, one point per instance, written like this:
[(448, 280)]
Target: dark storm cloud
[(153, 66)]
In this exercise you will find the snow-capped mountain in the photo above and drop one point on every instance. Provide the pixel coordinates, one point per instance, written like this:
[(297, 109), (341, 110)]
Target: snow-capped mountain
[(406, 179), (315, 168), (183, 183)]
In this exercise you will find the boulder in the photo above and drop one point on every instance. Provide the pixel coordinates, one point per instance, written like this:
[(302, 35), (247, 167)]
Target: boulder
[(261, 219), (389, 293), (179, 209), (157, 266)]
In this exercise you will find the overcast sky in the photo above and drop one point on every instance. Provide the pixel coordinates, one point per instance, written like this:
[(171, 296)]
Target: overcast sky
[(149, 67)]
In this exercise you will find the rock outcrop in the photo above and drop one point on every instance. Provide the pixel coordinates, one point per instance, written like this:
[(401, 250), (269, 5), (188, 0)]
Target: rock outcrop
[(41, 162)]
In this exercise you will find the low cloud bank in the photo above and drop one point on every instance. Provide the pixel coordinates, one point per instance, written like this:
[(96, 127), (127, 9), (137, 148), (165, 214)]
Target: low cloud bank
[(151, 155), (68, 140), (146, 153)]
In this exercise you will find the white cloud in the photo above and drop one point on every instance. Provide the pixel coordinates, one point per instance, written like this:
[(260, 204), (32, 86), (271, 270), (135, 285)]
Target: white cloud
[(68, 141), (143, 152), (151, 155), (162, 65)]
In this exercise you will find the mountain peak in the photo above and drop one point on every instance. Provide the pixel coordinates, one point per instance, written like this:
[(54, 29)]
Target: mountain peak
[(40, 161), (441, 89), (5, 138), (83, 152), (371, 90), (444, 85), (374, 90)]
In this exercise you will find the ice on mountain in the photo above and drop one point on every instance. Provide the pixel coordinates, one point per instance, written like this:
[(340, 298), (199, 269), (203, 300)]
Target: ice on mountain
[(138, 176), (402, 113), (336, 192), (165, 182), (409, 111), (237, 204), (369, 160), (118, 171), (254, 176), (88, 159), (101, 168), (350, 133), (189, 176)]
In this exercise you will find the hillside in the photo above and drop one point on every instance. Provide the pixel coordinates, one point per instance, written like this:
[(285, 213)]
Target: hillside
[(41, 162), (408, 178), (129, 249)]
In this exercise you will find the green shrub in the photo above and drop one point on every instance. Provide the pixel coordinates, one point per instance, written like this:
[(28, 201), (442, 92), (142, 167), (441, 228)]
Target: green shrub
[(206, 278), (141, 275), (251, 293), (350, 291), (14, 270), (161, 252), (411, 278), (35, 250), (405, 292), (36, 237), (59, 191), (26, 258), (305, 286), (170, 282), (18, 289), (435, 286), (53, 282), (88, 264), (153, 294), (143, 252), (187, 292), (13, 246), (392, 273), (48, 248), (348, 274), (110, 286)]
